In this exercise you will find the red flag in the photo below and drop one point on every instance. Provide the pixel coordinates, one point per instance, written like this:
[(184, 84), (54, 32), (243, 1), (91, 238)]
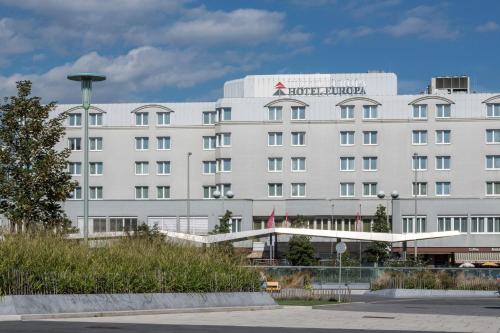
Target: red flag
[(286, 220), (270, 220)]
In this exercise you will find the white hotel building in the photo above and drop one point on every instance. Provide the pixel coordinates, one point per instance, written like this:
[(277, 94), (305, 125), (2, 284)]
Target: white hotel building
[(318, 145)]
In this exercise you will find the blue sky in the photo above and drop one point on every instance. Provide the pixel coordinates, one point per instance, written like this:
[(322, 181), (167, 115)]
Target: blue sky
[(184, 50)]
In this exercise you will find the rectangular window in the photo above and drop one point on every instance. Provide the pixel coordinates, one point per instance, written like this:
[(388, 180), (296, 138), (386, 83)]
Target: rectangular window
[(141, 143), (420, 189), (98, 225), (347, 112), (443, 162), (95, 144), (141, 192), (141, 119), (370, 163), (208, 192), (208, 117), (485, 224), (76, 194), (410, 227), (298, 138), (162, 192), (96, 168), (298, 190), (347, 164), (275, 164), (492, 188), (346, 189), (164, 143), (142, 168), (493, 110), (75, 168), (419, 163), (275, 113), (346, 138), (275, 139), (419, 137), (493, 162), (298, 112), (95, 193), (443, 111), (120, 224), (493, 136), (443, 188), (223, 165), (420, 111), (95, 119), (208, 142), (163, 167), (163, 118), (275, 190), (223, 114), (223, 188), (452, 223), (370, 137), (223, 139), (370, 112), (75, 120), (209, 167), (75, 144), (443, 136), (369, 189), (298, 164)]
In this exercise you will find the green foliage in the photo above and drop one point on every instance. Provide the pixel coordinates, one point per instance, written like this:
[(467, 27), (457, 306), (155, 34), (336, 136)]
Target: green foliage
[(348, 260), (300, 251), (50, 264), (146, 232), (378, 252), (298, 222), (224, 228), (33, 177)]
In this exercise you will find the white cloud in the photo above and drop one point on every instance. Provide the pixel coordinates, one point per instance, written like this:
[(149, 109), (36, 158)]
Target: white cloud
[(423, 28), (12, 39), (488, 27), (349, 33)]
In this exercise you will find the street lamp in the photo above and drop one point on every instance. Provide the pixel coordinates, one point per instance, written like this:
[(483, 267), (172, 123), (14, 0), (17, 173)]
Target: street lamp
[(381, 195), (415, 167), (188, 202), (86, 79), (217, 194)]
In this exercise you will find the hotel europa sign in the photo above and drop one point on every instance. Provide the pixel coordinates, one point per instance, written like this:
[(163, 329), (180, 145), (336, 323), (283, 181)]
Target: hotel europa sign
[(344, 87)]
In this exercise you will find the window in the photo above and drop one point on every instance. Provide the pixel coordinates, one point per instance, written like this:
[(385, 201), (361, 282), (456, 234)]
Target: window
[(235, 224), (209, 167), (164, 143), (369, 189), (75, 120), (75, 144), (275, 164), (141, 119), (223, 165), (275, 139), (486, 224), (370, 112), (347, 112), (443, 136), (419, 137), (95, 144), (75, 168), (298, 190), (141, 192), (493, 162), (420, 111), (346, 189), (95, 119), (346, 138), (208, 192), (95, 192), (370, 138), (223, 140), (275, 190), (208, 117), (208, 142), (370, 163), (142, 168), (224, 114), (443, 162), (443, 188), (443, 111), (493, 110), (275, 113), (117, 224), (298, 138), (347, 164), (419, 189), (223, 188), (410, 227), (452, 223), (98, 224), (492, 188), (298, 164), (76, 194), (142, 143), (163, 167), (298, 112), (162, 192), (419, 163), (96, 168), (163, 118), (493, 136)]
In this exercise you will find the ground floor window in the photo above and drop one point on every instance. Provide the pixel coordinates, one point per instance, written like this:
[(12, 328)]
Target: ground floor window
[(234, 224), (485, 224), (99, 224), (452, 223), (409, 225), (117, 224)]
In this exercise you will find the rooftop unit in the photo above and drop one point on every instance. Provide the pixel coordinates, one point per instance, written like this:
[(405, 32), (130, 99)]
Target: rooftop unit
[(449, 85)]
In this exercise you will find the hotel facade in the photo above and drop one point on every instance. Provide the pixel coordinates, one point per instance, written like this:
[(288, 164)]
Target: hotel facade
[(318, 145)]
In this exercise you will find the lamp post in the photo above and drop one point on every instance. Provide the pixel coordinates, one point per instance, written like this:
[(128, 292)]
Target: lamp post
[(86, 80), (218, 194), (415, 166), (188, 202), (381, 195), (395, 196)]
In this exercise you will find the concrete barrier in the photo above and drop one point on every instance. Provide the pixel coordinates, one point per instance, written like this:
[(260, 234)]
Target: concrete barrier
[(436, 293)]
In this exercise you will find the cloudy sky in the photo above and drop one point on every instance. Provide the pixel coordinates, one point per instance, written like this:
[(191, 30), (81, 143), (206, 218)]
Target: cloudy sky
[(183, 50)]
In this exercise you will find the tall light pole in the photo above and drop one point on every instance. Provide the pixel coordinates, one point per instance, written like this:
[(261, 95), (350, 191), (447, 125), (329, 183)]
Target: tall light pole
[(415, 166), (395, 196), (86, 79), (218, 194), (188, 202), (381, 195)]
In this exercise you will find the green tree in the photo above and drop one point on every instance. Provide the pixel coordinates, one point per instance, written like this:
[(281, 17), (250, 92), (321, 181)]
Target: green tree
[(33, 177), (379, 251), (224, 227), (300, 250)]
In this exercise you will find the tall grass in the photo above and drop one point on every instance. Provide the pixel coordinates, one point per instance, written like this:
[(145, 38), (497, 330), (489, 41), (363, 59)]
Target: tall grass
[(44, 264)]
